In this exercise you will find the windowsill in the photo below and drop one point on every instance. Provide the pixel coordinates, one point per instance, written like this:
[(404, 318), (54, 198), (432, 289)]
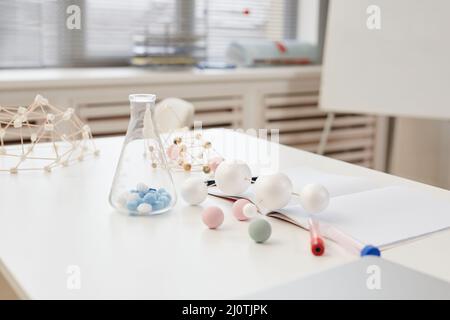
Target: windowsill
[(82, 77)]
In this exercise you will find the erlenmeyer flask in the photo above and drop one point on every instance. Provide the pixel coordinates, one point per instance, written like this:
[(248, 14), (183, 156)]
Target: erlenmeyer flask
[(142, 183)]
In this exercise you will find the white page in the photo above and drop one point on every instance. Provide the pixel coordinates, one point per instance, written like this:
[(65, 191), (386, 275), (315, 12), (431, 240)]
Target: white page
[(383, 216)]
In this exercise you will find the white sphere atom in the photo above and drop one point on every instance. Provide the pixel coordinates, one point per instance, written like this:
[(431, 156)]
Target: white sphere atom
[(144, 208), (273, 191), (314, 198), (249, 210), (194, 191), (233, 177)]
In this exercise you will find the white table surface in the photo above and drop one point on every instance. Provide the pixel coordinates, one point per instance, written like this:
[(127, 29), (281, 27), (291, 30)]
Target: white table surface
[(51, 221)]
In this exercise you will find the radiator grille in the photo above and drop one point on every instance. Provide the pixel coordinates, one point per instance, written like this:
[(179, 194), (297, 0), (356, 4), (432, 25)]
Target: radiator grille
[(111, 118), (300, 122)]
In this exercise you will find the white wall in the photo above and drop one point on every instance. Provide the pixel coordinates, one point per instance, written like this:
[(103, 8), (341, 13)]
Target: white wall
[(421, 151)]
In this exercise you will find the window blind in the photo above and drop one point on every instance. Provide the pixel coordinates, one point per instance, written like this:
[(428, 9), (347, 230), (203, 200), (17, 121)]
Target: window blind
[(237, 19), (33, 33), (110, 25), (20, 28)]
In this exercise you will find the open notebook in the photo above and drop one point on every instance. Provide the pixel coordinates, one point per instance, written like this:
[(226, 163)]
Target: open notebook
[(370, 213)]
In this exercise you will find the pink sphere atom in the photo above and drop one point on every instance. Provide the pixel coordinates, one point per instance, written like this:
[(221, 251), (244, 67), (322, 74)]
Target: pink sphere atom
[(237, 209), (173, 152), (212, 217), (214, 163)]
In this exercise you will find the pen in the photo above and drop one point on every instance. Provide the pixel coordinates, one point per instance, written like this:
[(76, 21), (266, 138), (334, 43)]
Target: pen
[(317, 243), (212, 183), (350, 244)]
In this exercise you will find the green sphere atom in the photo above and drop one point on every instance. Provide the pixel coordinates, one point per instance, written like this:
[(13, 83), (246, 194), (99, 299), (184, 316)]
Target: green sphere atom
[(259, 230)]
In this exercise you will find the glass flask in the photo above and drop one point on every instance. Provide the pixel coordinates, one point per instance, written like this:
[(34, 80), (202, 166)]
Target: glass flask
[(142, 183)]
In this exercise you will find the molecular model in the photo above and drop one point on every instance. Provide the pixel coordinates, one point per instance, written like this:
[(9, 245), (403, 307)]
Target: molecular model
[(188, 151), (47, 137)]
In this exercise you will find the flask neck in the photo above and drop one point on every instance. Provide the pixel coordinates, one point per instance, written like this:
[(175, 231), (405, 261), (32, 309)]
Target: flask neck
[(141, 111), (137, 111), (139, 103)]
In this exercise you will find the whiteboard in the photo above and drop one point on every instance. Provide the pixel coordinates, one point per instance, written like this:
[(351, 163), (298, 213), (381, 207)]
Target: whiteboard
[(401, 69)]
